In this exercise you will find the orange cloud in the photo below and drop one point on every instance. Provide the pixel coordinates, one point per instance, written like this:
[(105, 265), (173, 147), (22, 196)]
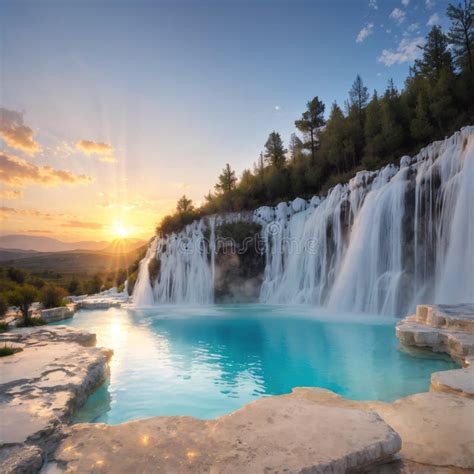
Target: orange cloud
[(15, 133), (10, 194), (105, 151), (83, 225), (10, 211), (18, 172), (38, 231)]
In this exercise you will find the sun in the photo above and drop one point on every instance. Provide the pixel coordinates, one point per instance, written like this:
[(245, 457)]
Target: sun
[(119, 230)]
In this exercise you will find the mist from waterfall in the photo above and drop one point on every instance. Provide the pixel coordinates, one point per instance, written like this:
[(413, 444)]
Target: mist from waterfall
[(382, 243)]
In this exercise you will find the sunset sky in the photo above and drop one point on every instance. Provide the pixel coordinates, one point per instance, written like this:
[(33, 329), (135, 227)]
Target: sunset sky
[(111, 110)]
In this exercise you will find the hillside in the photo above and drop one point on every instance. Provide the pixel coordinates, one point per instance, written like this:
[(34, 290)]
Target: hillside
[(72, 262), (48, 244)]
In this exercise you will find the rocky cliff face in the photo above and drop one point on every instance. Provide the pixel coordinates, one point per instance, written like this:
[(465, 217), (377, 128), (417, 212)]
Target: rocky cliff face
[(239, 263)]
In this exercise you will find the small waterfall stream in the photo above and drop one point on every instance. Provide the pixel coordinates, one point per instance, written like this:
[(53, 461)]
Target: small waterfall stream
[(382, 243)]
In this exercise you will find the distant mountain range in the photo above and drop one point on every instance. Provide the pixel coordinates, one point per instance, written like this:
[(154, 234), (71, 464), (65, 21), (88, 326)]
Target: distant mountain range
[(32, 243)]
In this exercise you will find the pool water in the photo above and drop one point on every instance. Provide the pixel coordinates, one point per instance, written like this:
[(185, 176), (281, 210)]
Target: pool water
[(208, 361)]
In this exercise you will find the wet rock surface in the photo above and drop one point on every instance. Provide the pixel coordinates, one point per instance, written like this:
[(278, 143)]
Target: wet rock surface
[(275, 434), (57, 314), (437, 429), (447, 329), (40, 386)]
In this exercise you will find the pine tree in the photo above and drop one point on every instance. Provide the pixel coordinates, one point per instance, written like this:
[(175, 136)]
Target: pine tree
[(227, 180), (310, 121), (275, 151), (442, 105), (461, 34), (374, 141), (295, 147), (421, 127), (359, 97), (184, 205), (334, 140), (436, 56), (392, 130)]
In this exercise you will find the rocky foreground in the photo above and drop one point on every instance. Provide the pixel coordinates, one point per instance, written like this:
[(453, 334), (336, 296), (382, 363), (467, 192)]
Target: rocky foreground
[(54, 372), (309, 430)]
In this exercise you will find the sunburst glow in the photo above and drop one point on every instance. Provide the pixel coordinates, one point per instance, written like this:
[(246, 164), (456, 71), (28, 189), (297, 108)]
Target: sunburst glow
[(120, 230)]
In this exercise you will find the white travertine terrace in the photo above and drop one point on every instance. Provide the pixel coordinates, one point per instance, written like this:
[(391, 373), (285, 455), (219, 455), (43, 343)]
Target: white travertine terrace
[(449, 329)]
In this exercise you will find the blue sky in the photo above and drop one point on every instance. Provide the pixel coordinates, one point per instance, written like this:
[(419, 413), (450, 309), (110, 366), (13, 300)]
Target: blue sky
[(178, 89)]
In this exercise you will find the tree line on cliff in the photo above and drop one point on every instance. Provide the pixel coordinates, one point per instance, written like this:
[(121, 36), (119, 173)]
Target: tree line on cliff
[(371, 130)]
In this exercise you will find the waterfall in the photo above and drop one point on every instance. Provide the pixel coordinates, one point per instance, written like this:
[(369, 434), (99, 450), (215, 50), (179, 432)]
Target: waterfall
[(143, 291), (381, 243)]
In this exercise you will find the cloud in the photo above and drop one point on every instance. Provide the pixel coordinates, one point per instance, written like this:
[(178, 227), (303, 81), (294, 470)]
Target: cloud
[(433, 20), (11, 211), (365, 32), (373, 4), (413, 27), (429, 4), (105, 150), (10, 194), (38, 231), (62, 149), (182, 185), (405, 3), (408, 50), (398, 15), (108, 159), (15, 133), (83, 225), (18, 172)]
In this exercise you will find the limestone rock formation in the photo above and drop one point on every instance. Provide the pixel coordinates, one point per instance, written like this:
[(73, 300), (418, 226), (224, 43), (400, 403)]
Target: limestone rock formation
[(275, 434), (40, 387)]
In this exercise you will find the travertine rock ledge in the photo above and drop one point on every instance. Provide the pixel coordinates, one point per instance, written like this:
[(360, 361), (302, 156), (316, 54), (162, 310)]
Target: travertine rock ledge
[(437, 429), (309, 430), (274, 434), (40, 386), (448, 329)]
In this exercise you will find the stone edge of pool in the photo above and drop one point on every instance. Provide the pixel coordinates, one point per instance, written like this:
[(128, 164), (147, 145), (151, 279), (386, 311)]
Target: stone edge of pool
[(310, 429)]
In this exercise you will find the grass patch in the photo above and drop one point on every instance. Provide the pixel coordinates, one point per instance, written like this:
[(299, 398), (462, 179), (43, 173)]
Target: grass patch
[(6, 351), (33, 322)]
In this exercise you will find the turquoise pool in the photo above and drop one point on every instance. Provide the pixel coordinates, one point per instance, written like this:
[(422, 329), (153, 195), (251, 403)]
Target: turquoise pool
[(209, 361)]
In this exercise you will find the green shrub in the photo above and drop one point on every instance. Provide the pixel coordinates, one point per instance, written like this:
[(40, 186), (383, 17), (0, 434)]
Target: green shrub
[(6, 351), (3, 306), (53, 296), (74, 287), (238, 231), (94, 285), (3, 326), (22, 297), (17, 275), (36, 282)]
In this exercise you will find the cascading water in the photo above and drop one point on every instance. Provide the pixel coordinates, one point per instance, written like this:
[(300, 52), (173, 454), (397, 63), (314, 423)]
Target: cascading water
[(381, 243), (186, 267)]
